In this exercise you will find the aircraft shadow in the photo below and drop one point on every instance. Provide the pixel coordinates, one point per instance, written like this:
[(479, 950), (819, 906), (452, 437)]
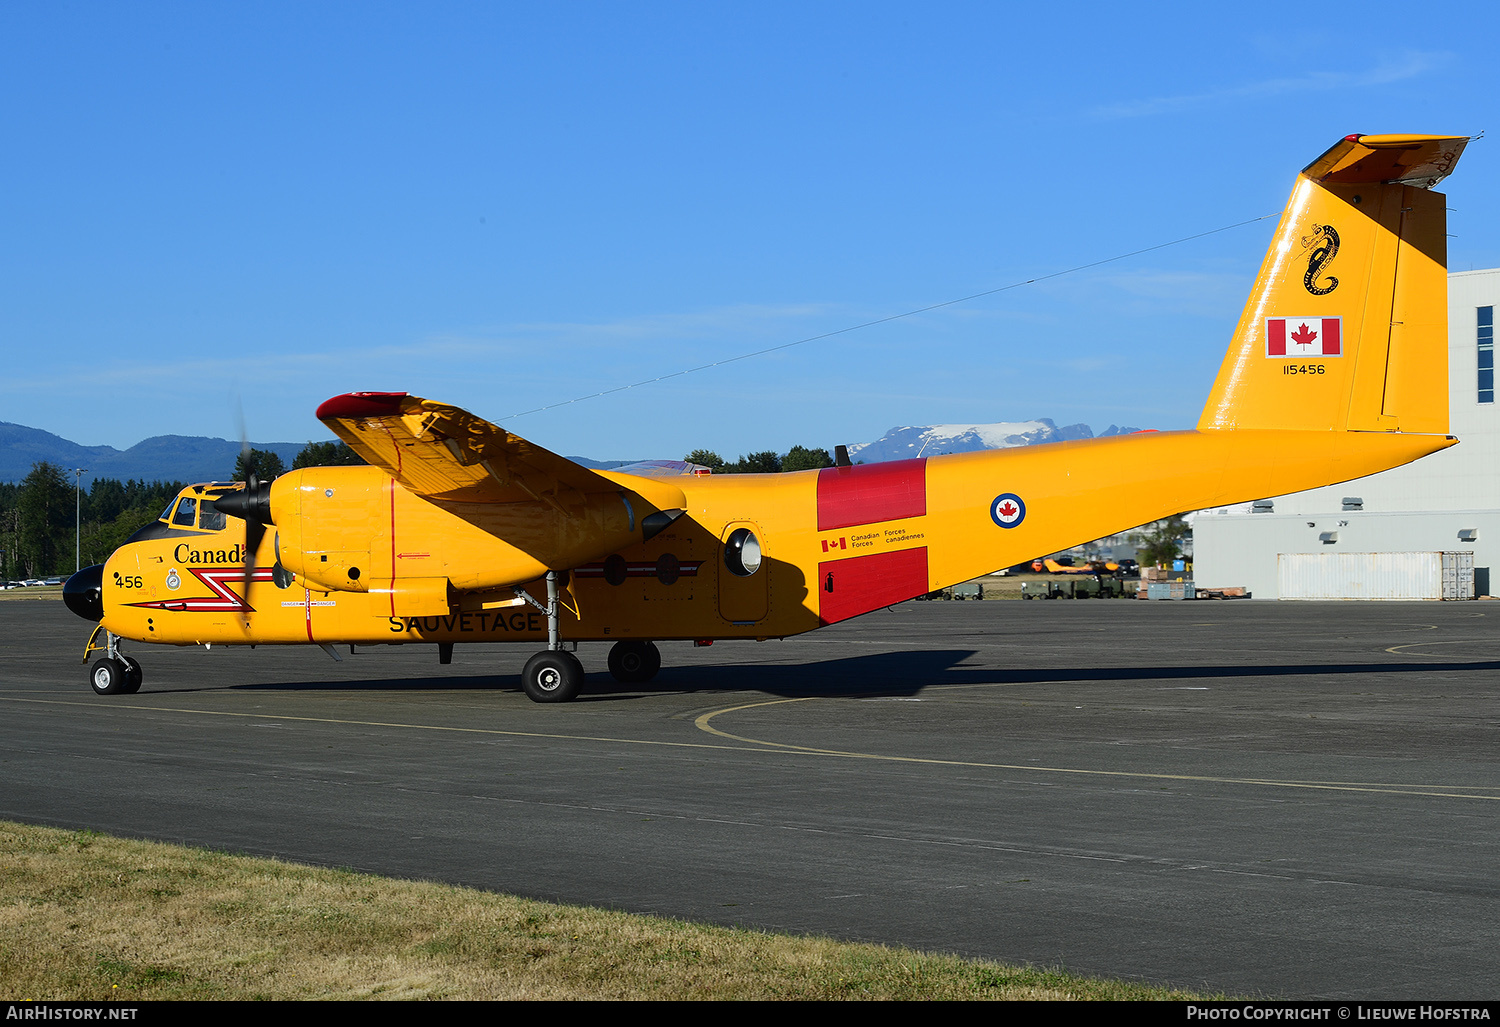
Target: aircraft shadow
[(902, 673), (878, 674)]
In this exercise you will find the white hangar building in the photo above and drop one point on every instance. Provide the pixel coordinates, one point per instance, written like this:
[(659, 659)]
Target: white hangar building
[(1447, 502)]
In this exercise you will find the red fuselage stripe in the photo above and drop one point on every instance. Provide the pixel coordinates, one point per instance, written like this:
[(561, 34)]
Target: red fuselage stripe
[(859, 584), (869, 493)]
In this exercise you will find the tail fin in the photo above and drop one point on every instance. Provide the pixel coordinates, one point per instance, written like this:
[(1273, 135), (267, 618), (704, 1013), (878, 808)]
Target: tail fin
[(1347, 327)]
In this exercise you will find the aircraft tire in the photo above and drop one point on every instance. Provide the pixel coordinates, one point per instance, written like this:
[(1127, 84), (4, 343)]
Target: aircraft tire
[(633, 662), (133, 676), (552, 676), (109, 677)]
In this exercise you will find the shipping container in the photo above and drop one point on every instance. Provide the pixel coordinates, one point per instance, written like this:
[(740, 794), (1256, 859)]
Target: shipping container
[(1376, 575)]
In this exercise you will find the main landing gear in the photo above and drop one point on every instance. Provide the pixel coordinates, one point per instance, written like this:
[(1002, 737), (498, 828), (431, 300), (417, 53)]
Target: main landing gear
[(633, 662), (555, 675), (115, 673)]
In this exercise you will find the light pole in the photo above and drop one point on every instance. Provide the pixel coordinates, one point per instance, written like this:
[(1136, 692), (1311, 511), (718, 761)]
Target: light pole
[(78, 473)]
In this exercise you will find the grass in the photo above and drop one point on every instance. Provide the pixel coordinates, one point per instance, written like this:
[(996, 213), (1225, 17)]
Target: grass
[(34, 592), (84, 916)]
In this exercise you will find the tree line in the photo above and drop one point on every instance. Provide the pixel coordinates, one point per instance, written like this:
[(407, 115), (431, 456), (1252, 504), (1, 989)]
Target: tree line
[(798, 458), (37, 514), (37, 519)]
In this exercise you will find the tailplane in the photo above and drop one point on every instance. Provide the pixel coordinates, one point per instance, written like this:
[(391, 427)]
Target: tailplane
[(1347, 327)]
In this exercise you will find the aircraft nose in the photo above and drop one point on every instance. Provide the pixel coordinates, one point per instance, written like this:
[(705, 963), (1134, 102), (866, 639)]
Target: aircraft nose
[(84, 593)]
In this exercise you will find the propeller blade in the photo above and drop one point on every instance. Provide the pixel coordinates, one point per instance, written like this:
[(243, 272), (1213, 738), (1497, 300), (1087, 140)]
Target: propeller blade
[(254, 532), (253, 505)]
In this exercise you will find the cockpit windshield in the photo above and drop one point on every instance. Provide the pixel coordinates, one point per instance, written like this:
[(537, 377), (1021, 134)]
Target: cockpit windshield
[(187, 512), (190, 512)]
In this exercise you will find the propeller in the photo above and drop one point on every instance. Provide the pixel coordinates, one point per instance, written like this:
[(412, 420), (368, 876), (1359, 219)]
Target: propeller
[(252, 504)]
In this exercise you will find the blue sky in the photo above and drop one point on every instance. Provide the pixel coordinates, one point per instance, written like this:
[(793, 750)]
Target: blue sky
[(506, 206)]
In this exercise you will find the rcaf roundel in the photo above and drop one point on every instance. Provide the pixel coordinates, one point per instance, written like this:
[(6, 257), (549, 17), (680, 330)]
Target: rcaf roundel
[(1007, 510), (1304, 337)]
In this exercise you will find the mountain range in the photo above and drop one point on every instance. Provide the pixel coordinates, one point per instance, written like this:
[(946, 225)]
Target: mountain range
[(160, 458), (197, 458), (905, 442)]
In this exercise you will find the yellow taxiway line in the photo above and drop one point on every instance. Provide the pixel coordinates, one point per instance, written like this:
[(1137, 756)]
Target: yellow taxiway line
[(747, 744), (702, 723)]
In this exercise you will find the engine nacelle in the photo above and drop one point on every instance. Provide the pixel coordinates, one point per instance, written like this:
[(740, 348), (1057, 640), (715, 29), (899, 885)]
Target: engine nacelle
[(354, 529)]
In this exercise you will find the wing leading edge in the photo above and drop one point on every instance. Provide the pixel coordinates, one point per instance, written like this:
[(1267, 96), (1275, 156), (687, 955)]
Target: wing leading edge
[(447, 454)]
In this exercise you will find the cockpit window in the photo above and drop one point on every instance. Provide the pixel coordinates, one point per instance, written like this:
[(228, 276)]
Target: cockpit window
[(210, 519), (187, 512), (166, 515)]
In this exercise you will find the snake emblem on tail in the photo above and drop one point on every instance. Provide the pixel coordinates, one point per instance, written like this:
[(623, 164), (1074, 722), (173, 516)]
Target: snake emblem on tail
[(1324, 243)]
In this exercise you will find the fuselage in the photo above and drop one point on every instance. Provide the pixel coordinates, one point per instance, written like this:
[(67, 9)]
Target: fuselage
[(833, 543)]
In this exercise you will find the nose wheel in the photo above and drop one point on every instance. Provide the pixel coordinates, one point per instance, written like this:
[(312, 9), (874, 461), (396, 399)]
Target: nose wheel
[(116, 673), (633, 662), (115, 676)]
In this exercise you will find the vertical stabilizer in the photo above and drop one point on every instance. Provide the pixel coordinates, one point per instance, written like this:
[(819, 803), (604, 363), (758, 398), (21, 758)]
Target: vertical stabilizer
[(1347, 326)]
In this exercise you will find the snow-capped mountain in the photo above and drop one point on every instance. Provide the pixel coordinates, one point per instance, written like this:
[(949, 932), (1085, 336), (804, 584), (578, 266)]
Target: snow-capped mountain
[(902, 443)]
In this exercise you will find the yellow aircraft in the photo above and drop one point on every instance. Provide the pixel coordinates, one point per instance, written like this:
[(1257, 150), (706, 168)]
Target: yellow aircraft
[(460, 531), (1091, 567)]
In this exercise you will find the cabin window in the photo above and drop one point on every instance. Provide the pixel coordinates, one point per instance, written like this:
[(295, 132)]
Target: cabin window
[(742, 552), (1486, 354), (187, 512)]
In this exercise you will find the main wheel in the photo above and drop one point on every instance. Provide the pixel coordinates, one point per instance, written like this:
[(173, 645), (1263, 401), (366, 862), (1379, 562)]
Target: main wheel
[(133, 676), (633, 662), (109, 677), (552, 676)]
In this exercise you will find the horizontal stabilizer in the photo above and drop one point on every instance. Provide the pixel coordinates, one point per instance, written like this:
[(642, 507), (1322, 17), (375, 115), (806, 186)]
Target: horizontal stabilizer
[(1421, 161)]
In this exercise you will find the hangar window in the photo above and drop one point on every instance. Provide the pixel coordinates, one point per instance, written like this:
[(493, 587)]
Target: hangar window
[(1486, 354)]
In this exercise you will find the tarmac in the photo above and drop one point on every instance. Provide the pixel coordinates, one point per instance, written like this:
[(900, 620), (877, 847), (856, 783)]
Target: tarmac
[(1296, 800)]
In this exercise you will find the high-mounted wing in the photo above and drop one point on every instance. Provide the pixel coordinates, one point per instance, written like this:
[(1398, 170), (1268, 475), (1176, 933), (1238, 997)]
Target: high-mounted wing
[(447, 454)]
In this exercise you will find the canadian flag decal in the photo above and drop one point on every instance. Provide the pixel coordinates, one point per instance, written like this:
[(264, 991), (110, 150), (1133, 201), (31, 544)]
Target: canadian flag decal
[(1304, 337)]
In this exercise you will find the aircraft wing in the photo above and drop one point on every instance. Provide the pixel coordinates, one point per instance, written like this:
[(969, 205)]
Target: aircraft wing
[(448, 454), (659, 468)]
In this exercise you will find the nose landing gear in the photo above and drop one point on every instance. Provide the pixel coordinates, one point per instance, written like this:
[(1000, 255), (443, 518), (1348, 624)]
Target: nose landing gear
[(116, 673)]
